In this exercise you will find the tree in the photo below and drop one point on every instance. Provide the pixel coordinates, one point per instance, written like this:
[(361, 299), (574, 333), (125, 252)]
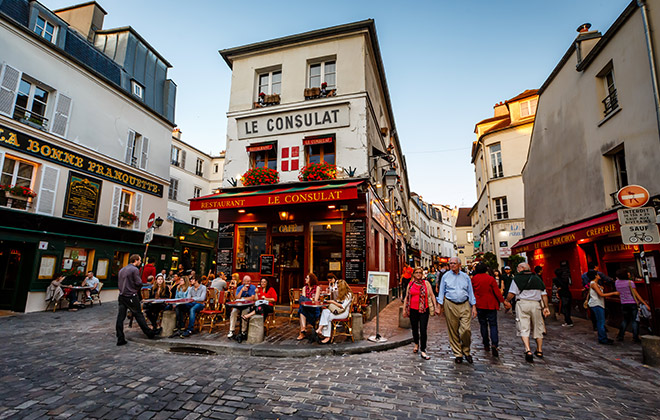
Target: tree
[(514, 260), (490, 260)]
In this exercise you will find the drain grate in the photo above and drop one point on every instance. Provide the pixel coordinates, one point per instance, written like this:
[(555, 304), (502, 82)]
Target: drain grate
[(193, 350)]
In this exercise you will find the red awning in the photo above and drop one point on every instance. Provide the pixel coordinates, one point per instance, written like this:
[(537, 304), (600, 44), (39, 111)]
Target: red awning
[(278, 195), (599, 226)]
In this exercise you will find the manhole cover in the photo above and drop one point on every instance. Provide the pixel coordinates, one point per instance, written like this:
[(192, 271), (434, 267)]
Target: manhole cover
[(192, 350)]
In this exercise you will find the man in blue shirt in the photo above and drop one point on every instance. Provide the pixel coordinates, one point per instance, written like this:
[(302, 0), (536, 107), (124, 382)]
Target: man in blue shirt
[(196, 292), (245, 291), (457, 301)]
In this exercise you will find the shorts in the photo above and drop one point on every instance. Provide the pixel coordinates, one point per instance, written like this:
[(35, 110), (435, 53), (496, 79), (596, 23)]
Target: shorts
[(529, 318)]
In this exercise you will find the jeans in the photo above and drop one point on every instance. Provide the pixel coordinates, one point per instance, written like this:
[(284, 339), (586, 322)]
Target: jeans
[(599, 315), (132, 304), (419, 322), (629, 312), (192, 308), (566, 302), (488, 318)]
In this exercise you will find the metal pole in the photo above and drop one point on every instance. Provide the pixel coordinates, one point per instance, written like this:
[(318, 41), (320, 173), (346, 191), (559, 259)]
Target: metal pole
[(377, 317), (144, 259), (649, 291)]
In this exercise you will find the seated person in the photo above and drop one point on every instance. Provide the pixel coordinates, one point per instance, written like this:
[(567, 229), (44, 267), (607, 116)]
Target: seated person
[(158, 291), (266, 298), (332, 286), (245, 291), (338, 309), (54, 291), (197, 292), (219, 283), (91, 281), (310, 292)]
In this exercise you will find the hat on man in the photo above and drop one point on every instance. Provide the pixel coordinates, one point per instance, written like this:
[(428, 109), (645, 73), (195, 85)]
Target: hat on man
[(506, 267)]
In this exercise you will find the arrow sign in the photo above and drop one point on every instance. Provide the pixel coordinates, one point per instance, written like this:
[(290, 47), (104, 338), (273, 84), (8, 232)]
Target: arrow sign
[(148, 235), (152, 219)]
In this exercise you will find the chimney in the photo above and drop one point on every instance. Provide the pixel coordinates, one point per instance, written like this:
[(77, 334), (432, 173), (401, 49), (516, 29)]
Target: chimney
[(585, 41), (85, 18), (501, 109), (176, 134)]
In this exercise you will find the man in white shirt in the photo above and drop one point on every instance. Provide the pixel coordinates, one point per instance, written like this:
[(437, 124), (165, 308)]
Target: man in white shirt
[(91, 281)]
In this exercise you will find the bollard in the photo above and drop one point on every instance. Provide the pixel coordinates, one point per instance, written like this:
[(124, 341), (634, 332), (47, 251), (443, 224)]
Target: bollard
[(403, 322), (651, 350), (256, 330), (168, 323), (357, 326)]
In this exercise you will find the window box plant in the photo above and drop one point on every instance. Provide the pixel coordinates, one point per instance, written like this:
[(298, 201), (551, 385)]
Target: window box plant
[(17, 192), (127, 217), (318, 172), (260, 176), (267, 100)]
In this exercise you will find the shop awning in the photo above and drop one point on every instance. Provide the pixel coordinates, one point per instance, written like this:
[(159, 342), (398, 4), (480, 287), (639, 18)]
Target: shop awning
[(598, 226), (278, 195)]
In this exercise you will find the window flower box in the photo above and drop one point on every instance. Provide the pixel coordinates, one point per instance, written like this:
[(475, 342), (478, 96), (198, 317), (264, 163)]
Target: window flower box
[(318, 172), (18, 193), (260, 176), (127, 217), (322, 92), (267, 100)]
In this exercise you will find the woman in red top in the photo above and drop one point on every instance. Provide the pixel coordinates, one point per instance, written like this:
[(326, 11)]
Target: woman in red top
[(268, 296), (310, 292), (418, 305), (488, 296)]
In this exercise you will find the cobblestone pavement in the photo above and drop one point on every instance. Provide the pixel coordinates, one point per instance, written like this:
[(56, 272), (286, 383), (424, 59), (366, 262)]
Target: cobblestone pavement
[(66, 365)]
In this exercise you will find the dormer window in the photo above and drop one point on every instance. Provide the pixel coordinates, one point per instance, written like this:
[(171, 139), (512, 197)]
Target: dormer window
[(528, 108), (45, 29), (137, 89)]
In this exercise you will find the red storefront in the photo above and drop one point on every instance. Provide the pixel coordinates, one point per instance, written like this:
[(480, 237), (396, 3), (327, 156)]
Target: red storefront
[(594, 240), (285, 231)]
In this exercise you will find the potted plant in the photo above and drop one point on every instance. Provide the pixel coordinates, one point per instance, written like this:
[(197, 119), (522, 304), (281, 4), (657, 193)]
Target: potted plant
[(260, 176), (127, 217), (318, 172), (17, 192)]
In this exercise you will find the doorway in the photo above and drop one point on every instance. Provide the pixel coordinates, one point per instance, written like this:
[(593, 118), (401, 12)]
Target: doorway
[(10, 263), (289, 264)]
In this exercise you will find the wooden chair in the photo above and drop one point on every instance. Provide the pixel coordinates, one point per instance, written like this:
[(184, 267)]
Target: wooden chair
[(347, 323), (55, 303), (97, 296), (294, 303), (214, 308)]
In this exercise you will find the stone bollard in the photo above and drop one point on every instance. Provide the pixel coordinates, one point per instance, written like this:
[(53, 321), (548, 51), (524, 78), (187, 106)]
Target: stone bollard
[(651, 350), (403, 322), (357, 326), (168, 323), (256, 330)]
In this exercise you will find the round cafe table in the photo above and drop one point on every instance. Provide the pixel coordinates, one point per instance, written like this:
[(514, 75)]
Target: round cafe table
[(240, 305), (310, 304)]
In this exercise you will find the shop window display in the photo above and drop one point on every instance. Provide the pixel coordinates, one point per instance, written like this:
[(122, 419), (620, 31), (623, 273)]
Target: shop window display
[(250, 245), (326, 250)]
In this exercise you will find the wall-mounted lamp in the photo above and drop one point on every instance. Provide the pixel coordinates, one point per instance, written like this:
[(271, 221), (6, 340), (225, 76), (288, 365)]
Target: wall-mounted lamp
[(390, 178), (241, 210), (398, 211), (158, 222), (412, 231), (332, 206), (181, 238), (284, 215)]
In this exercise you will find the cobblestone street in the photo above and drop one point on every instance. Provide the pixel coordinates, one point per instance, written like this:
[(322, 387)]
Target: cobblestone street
[(66, 365)]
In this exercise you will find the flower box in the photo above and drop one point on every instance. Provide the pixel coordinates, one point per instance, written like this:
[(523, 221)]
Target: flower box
[(318, 172), (260, 176), (17, 192), (267, 100)]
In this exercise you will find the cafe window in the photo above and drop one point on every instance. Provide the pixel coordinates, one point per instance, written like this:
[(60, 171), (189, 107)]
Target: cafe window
[(125, 206), (75, 261), (31, 102), (326, 239), (18, 173), (251, 243), (119, 261), (317, 151), (264, 159)]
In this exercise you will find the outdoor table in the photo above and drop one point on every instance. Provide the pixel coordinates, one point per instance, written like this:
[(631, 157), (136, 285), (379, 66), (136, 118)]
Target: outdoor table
[(240, 305), (168, 301), (311, 304), (76, 289)]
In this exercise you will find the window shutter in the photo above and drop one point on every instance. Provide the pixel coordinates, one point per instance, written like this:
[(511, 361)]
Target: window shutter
[(8, 85), (130, 145), (145, 153), (175, 188), (114, 213), (61, 115), (138, 211), (183, 159), (48, 190), (2, 161)]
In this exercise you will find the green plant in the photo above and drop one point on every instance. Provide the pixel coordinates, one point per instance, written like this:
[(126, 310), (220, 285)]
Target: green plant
[(260, 176), (490, 260), (127, 215), (318, 172), (18, 190), (514, 260)]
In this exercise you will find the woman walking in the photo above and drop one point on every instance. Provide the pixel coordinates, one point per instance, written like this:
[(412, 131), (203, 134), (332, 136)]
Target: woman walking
[(629, 300), (489, 297), (597, 305), (418, 305)]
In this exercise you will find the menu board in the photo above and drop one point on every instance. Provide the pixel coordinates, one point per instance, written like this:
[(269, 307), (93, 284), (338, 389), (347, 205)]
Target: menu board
[(82, 197), (356, 251), (225, 257), (267, 265)]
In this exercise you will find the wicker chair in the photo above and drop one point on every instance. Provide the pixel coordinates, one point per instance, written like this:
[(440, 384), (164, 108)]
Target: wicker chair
[(347, 323), (215, 307), (97, 295), (294, 303)]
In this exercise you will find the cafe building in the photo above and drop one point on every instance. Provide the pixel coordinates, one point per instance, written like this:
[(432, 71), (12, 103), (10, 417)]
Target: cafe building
[(307, 99), (82, 130)]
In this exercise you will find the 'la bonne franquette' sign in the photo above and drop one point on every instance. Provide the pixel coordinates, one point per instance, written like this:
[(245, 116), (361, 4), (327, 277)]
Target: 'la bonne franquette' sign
[(307, 119)]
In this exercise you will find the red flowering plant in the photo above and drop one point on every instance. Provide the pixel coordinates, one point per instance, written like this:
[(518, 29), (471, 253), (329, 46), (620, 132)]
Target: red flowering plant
[(318, 172), (18, 191), (127, 215), (260, 176)]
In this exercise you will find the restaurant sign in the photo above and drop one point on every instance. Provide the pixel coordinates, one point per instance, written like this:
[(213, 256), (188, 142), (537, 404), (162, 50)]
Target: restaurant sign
[(44, 150), (82, 197), (299, 120), (305, 197), (591, 232)]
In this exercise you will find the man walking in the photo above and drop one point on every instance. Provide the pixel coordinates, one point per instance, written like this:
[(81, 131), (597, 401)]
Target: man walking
[(456, 299), (130, 284), (532, 306)]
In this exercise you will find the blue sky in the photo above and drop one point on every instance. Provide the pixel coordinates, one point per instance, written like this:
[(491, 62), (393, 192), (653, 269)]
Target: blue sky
[(447, 63)]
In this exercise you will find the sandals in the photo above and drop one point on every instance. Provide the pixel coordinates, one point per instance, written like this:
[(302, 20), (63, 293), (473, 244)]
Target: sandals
[(326, 341), (538, 354), (529, 357), (301, 336), (425, 356), (416, 349)]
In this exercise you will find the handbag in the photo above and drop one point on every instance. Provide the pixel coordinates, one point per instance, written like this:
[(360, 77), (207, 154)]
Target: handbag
[(335, 309)]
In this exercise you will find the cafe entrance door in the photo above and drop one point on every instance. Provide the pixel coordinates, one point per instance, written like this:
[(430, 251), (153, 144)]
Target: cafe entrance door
[(289, 262), (11, 254)]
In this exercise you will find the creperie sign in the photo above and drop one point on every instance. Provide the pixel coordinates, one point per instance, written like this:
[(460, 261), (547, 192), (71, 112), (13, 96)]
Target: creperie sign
[(572, 237), (274, 199)]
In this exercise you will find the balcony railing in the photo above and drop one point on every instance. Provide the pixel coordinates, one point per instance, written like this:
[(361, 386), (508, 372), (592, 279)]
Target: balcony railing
[(315, 93), (30, 118), (611, 102)]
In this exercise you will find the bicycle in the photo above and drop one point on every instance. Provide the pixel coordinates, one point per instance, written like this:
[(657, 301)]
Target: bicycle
[(640, 237)]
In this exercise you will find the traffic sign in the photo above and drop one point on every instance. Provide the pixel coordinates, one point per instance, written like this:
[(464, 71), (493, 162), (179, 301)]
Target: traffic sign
[(152, 219), (637, 216), (148, 235), (641, 234), (633, 196)]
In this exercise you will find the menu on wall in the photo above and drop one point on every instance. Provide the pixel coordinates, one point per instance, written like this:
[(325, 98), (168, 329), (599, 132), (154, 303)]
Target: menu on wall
[(82, 197), (225, 257), (356, 251), (267, 265)]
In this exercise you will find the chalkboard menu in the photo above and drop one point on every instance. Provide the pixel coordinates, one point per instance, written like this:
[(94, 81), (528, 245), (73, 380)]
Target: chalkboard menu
[(225, 257), (356, 251), (267, 265), (82, 197)]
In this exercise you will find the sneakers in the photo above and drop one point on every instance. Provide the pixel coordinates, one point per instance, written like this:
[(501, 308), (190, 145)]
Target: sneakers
[(566, 325), (469, 359), (230, 335), (186, 333)]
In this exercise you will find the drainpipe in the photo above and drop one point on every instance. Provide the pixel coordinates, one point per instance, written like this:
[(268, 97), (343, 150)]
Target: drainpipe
[(651, 54)]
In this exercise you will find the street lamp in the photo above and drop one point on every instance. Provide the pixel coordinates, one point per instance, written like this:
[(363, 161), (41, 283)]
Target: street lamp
[(158, 222), (390, 178)]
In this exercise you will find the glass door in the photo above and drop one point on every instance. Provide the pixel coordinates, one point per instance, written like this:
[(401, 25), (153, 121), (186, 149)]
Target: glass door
[(289, 264)]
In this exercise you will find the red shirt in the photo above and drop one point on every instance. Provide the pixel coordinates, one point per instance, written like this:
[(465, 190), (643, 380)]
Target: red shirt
[(270, 294), (148, 270), (407, 272), (486, 292), (414, 295)]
